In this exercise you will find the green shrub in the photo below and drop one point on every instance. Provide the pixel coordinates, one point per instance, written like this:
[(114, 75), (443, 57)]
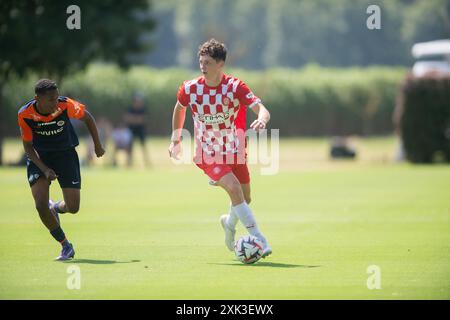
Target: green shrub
[(308, 101), (425, 121)]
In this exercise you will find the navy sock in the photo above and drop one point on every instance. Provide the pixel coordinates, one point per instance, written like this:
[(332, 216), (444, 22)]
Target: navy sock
[(59, 236)]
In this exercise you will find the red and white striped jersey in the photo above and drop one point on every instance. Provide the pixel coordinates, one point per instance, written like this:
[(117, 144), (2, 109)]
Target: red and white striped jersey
[(217, 113)]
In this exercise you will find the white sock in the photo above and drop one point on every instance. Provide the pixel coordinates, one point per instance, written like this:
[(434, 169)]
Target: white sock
[(245, 214), (232, 219)]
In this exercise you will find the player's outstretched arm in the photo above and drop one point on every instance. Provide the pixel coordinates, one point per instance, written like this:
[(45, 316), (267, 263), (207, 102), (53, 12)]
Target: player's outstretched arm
[(89, 120), (263, 117), (178, 118)]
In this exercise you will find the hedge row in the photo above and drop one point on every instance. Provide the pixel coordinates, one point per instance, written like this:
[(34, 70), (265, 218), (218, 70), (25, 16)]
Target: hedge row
[(309, 101), (425, 119)]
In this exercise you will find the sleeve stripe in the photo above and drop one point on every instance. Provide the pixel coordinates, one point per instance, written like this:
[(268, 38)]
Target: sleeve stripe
[(254, 103), (181, 104)]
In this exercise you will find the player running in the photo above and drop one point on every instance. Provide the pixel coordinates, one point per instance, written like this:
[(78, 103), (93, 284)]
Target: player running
[(49, 141), (218, 103)]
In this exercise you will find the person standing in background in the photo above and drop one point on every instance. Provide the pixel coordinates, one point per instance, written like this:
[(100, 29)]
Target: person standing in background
[(135, 120)]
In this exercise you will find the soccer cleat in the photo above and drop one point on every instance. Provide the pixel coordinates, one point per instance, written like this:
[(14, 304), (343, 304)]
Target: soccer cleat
[(229, 233), (51, 206), (266, 252), (267, 249), (67, 253)]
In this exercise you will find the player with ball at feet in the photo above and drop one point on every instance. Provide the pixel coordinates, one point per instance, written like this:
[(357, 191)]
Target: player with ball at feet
[(218, 104)]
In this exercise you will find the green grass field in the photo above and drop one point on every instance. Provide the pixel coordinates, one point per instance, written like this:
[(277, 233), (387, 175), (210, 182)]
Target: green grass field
[(154, 233)]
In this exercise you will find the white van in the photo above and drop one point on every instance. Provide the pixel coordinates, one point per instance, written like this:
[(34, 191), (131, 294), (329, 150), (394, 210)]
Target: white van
[(432, 57)]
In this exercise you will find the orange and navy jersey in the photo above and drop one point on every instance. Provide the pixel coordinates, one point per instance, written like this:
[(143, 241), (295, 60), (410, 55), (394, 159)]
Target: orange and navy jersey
[(53, 132)]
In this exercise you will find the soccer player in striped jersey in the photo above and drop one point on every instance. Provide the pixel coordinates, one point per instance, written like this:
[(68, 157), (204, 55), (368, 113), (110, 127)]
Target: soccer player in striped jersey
[(218, 103), (49, 141)]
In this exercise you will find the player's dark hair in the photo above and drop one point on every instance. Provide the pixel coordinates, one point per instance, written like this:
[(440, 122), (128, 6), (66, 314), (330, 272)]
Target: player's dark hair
[(214, 49), (45, 85)]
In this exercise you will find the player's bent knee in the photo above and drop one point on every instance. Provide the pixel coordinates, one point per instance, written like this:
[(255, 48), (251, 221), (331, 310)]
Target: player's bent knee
[(72, 208)]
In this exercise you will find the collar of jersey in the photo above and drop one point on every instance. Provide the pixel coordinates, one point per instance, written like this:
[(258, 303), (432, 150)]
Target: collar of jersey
[(46, 117), (209, 87)]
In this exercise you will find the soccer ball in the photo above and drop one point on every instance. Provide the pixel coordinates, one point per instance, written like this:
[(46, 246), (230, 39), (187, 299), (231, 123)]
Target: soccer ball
[(248, 249)]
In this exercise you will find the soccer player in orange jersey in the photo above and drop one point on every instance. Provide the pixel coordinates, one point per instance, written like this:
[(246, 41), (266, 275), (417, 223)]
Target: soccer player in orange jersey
[(49, 141), (218, 103)]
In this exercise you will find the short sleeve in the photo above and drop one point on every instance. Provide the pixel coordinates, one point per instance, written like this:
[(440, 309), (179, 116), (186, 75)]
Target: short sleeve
[(182, 97), (75, 109), (246, 96), (25, 130)]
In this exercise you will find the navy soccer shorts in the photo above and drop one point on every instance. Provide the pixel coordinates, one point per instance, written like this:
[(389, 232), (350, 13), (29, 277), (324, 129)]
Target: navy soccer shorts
[(65, 164)]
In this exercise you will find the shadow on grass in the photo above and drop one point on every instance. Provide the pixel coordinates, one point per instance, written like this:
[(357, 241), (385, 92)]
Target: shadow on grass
[(267, 264), (92, 261)]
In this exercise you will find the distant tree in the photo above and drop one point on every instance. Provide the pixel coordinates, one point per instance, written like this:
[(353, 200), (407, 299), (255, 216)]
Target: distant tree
[(34, 36), (291, 33), (417, 24)]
